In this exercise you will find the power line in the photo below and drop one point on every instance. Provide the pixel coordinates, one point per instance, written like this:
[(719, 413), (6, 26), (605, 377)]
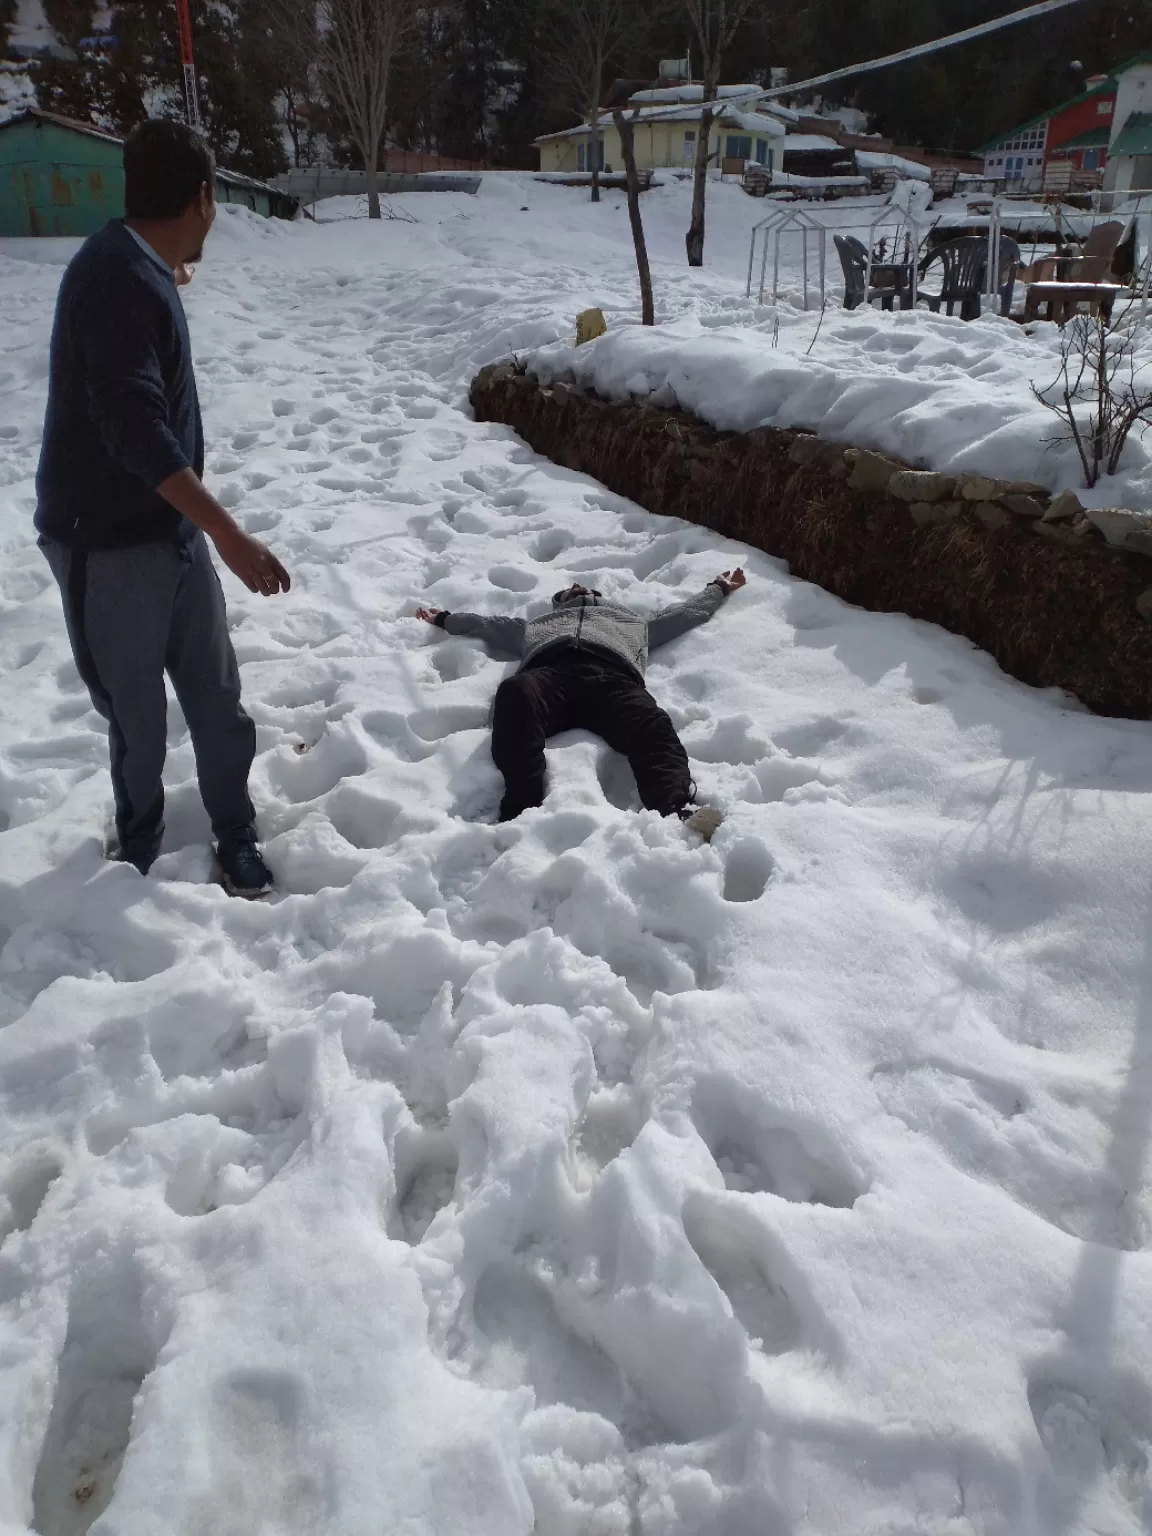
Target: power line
[(1027, 14)]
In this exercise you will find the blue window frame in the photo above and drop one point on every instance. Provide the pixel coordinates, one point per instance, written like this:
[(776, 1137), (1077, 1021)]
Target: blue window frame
[(761, 151), (739, 147)]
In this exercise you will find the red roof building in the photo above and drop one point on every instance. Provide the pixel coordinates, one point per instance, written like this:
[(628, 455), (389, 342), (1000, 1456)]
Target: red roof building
[(1077, 130)]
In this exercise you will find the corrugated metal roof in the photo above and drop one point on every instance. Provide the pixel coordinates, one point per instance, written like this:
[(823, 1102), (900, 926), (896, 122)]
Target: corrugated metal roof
[(1135, 138), (1091, 138), (36, 114)]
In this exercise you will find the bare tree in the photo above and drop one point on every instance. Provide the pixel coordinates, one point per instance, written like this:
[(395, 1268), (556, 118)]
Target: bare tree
[(714, 24), (1098, 369), (583, 36), (626, 128), (351, 45)]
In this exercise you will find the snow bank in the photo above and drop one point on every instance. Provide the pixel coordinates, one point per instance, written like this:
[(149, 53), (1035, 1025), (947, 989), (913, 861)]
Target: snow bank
[(934, 391)]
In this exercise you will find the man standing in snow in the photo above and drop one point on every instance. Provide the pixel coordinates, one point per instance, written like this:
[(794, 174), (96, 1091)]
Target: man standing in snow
[(582, 666), (122, 512)]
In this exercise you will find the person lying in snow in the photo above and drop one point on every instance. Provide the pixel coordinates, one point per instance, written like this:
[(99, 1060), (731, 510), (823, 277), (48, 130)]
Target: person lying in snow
[(582, 666)]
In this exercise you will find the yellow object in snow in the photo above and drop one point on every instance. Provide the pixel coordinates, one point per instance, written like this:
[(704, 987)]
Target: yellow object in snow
[(589, 325)]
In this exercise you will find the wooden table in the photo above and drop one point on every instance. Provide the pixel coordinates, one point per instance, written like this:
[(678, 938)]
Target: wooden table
[(896, 275), (1062, 300)]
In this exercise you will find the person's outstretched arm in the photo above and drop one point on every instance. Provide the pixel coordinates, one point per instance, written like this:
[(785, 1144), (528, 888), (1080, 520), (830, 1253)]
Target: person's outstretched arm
[(670, 622), (499, 631)]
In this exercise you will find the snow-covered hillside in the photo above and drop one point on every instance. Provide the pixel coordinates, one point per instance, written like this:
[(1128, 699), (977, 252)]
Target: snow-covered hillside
[(566, 1176)]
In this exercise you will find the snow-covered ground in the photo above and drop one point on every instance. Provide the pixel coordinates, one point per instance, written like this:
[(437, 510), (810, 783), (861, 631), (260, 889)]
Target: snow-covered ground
[(570, 1175)]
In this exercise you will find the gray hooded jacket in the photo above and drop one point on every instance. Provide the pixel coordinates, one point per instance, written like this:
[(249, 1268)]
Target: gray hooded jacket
[(588, 622)]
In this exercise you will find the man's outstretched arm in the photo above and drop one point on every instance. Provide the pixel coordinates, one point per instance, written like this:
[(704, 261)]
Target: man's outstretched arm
[(670, 622), (499, 631)]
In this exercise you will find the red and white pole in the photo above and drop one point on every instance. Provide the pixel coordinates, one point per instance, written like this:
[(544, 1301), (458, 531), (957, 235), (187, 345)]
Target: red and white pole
[(191, 96)]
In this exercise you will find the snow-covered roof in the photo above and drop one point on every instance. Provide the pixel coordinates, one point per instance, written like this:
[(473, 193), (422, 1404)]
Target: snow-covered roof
[(877, 160), (668, 93), (752, 94), (807, 141), (750, 122)]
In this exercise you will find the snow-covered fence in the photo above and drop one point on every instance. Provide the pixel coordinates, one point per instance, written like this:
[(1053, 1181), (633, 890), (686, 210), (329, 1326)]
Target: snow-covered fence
[(1060, 596), (311, 183)]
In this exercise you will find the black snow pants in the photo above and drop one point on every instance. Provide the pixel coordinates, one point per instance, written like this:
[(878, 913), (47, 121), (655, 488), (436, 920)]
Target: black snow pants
[(576, 690), (132, 615)]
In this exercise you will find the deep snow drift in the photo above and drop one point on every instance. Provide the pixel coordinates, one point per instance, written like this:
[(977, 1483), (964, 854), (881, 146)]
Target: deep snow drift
[(570, 1175)]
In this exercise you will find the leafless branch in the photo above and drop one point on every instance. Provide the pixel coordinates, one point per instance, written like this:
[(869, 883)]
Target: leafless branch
[(714, 25), (1098, 369), (354, 44)]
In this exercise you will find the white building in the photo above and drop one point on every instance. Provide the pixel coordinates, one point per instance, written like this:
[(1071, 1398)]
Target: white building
[(1130, 147), (667, 122)]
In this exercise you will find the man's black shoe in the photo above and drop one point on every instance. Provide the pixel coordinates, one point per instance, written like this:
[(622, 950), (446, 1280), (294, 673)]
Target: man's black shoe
[(242, 871)]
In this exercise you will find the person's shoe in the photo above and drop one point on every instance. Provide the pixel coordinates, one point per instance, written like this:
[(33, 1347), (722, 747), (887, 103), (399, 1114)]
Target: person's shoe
[(140, 859), (704, 820), (242, 871)]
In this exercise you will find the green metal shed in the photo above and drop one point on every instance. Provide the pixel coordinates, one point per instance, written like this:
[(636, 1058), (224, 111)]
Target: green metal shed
[(62, 177)]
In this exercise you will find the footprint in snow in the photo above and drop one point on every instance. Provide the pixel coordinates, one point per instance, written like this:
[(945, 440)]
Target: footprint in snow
[(801, 740), (1095, 1433), (518, 1338), (726, 1247), (100, 1371), (612, 1120), (747, 871), (24, 1187), (426, 1172), (550, 544), (759, 1150), (512, 578)]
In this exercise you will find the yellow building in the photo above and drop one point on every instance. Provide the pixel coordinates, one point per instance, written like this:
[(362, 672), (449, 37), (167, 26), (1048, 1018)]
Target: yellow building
[(666, 128)]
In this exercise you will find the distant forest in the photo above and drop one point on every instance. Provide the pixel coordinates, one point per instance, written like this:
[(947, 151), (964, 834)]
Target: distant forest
[(477, 81)]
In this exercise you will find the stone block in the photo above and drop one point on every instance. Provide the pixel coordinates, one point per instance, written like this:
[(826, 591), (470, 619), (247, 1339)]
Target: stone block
[(920, 485), (1022, 505), (1060, 533), (924, 513), (590, 323), (1027, 488), (979, 488), (1062, 507), (869, 471), (1122, 528), (992, 516)]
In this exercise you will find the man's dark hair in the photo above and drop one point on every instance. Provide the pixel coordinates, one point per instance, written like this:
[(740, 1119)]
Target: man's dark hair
[(165, 165)]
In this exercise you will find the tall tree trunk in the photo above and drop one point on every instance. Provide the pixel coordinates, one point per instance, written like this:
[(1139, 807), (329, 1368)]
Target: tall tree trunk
[(694, 239), (624, 128), (371, 182), (594, 142)]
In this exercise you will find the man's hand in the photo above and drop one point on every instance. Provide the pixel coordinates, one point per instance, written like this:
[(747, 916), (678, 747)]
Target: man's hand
[(428, 614), (729, 581), (183, 274), (256, 565)]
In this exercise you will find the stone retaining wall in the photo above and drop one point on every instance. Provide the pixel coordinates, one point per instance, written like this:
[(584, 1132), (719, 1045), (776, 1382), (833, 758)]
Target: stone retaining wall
[(1057, 595)]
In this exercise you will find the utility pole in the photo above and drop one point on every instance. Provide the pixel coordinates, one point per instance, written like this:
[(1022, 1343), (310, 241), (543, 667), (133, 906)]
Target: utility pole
[(191, 96)]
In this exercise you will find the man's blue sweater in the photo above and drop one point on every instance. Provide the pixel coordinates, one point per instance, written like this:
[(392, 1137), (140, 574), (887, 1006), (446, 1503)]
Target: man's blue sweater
[(122, 408)]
